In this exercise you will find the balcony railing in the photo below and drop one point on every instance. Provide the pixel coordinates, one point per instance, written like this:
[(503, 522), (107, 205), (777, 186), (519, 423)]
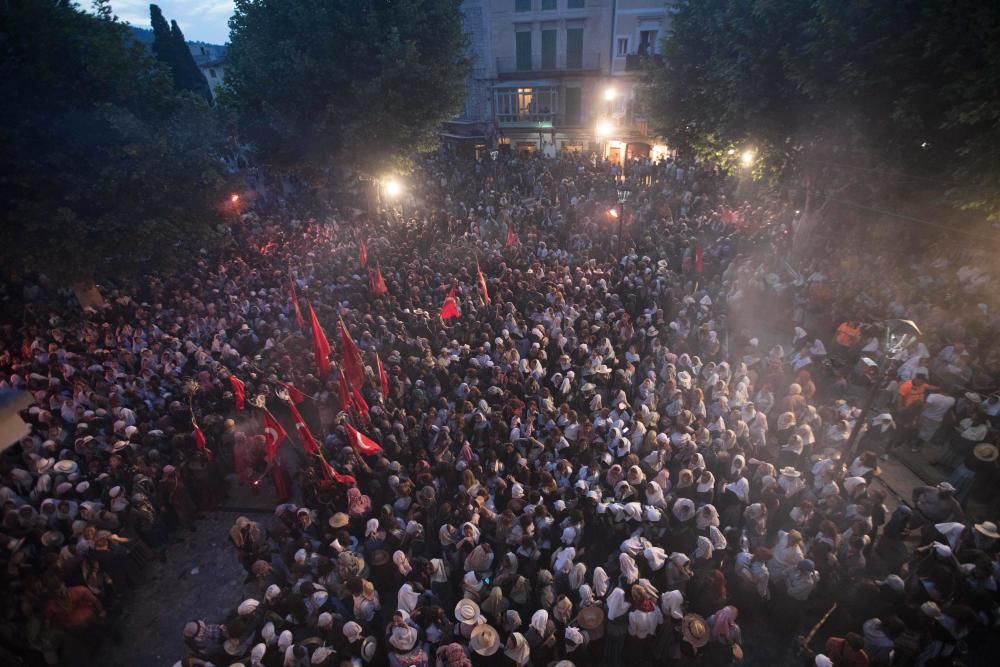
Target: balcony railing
[(586, 62), (636, 63)]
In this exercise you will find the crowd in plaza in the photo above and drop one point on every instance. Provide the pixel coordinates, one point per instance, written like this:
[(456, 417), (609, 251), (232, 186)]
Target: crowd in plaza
[(600, 459)]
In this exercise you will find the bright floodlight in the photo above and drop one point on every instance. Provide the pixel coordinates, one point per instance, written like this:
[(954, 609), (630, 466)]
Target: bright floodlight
[(610, 94), (604, 129), (234, 198), (393, 188), (613, 212), (747, 157)]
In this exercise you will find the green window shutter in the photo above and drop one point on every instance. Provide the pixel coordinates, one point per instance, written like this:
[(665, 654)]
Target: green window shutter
[(548, 49), (523, 50), (573, 105), (574, 48)]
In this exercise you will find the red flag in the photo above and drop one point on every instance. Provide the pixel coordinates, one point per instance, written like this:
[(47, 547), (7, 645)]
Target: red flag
[(359, 402), (361, 442), (450, 307), (376, 282), (239, 390), (344, 393), (383, 378), (512, 239), (362, 252), (320, 345), (308, 441), (699, 262), (340, 479), (295, 305), (294, 392), (273, 435), (482, 285), (350, 361), (199, 438)]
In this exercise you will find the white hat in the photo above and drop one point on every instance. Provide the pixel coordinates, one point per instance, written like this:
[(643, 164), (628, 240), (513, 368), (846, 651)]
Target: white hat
[(247, 607), (467, 612)]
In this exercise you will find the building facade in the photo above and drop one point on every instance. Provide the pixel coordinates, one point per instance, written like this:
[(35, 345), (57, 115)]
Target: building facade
[(558, 75), (211, 60)]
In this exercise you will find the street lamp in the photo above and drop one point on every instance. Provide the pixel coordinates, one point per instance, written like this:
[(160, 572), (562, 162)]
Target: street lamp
[(623, 195), (610, 94), (392, 187), (899, 335), (604, 130), (747, 157)]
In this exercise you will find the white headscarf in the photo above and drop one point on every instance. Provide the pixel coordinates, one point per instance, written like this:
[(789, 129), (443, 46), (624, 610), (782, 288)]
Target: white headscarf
[(670, 603), (617, 605), (408, 598), (629, 571), (600, 582), (540, 621)]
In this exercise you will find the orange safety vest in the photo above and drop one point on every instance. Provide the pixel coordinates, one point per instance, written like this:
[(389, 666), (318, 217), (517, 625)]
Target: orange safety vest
[(848, 336), (911, 394)]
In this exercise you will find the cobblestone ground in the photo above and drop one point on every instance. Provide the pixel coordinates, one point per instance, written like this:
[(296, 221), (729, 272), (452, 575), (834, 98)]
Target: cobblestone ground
[(200, 579)]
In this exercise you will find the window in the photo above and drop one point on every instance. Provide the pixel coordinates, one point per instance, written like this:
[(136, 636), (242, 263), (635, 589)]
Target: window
[(574, 4), (622, 49), (573, 105), (523, 50), (522, 5), (574, 48), (203, 51), (548, 5), (548, 49), (647, 42), (526, 105), (211, 73)]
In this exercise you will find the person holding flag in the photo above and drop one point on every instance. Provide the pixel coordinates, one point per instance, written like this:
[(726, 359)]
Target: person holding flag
[(482, 284), (321, 347)]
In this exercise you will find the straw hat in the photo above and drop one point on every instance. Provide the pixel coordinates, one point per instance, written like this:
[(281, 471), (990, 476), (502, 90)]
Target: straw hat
[(986, 452), (466, 612), (988, 528), (484, 640), (339, 520), (590, 618), (368, 647), (789, 471), (66, 467), (695, 630)]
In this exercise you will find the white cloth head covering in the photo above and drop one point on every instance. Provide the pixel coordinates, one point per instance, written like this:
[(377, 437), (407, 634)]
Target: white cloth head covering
[(952, 531), (600, 582), (670, 603), (617, 605), (540, 621), (629, 571)]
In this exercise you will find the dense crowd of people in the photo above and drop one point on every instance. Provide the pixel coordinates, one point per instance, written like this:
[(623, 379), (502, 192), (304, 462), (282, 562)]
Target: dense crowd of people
[(609, 458)]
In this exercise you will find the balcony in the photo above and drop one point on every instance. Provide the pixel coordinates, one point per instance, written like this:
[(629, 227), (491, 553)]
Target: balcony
[(637, 63), (509, 68)]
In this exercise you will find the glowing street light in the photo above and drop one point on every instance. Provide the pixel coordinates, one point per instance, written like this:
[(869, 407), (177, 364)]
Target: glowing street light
[(613, 212), (234, 197), (604, 129), (392, 187), (610, 94), (747, 157)]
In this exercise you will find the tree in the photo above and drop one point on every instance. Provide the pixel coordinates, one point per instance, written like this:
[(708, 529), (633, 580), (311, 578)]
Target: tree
[(318, 82), (105, 169), (172, 50), (883, 101)]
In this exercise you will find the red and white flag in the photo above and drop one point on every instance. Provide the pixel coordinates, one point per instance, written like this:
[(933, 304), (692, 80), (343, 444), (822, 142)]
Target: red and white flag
[(321, 347), (199, 438), (308, 441), (273, 435), (239, 391), (350, 360), (382, 377), (450, 307), (361, 442), (294, 392), (482, 285), (512, 239), (376, 283), (362, 253)]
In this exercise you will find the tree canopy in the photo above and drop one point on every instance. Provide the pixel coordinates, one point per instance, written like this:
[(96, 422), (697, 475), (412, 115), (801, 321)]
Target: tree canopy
[(105, 169), (360, 82), (890, 98), (172, 50)]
